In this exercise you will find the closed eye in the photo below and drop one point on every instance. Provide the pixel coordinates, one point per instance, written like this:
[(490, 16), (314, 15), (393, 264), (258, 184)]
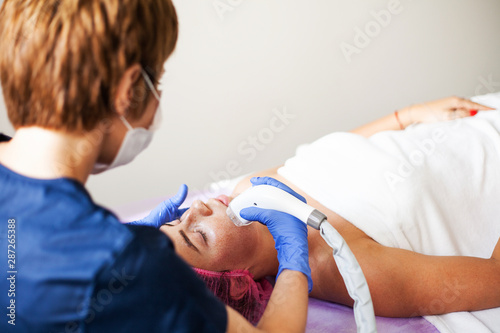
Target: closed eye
[(204, 235), (188, 241)]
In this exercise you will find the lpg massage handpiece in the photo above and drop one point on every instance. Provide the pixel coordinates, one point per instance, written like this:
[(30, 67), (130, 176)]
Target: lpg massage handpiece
[(270, 197)]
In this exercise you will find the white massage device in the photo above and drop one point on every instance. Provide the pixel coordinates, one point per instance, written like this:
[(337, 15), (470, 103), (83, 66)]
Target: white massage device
[(270, 197)]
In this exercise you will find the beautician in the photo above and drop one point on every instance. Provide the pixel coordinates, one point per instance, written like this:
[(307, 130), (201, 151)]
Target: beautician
[(79, 81)]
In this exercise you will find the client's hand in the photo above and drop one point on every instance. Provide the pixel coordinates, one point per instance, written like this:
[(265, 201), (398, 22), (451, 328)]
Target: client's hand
[(444, 109), (166, 211)]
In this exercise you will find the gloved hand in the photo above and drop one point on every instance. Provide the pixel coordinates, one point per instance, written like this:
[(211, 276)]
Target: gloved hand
[(289, 233), (166, 211), (276, 183)]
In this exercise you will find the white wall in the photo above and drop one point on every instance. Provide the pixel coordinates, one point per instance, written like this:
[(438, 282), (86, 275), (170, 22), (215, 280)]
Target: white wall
[(230, 72)]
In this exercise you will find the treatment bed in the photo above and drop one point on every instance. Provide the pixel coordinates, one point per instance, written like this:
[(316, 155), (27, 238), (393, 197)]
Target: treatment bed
[(322, 316), (329, 317)]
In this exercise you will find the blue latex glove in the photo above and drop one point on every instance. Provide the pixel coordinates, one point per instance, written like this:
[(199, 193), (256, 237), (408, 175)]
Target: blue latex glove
[(166, 211), (276, 183), (289, 233)]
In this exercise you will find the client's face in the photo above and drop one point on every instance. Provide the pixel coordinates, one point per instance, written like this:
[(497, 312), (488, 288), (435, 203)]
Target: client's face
[(206, 238)]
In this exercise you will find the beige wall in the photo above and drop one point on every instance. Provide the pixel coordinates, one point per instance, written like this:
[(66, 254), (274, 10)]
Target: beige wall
[(252, 79)]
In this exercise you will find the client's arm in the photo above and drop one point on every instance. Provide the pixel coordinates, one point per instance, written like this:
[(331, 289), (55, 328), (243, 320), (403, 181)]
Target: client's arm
[(496, 251), (440, 110), (405, 283)]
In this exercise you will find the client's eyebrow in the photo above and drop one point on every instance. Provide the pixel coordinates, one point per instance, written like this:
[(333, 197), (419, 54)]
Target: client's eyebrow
[(188, 241)]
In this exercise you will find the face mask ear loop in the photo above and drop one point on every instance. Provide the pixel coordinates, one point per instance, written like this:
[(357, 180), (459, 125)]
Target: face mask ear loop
[(158, 116), (126, 123), (150, 85)]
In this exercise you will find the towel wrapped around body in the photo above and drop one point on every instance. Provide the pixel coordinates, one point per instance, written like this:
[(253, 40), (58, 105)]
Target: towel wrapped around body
[(432, 188)]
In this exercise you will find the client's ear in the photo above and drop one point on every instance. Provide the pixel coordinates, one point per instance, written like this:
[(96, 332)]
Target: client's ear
[(125, 91)]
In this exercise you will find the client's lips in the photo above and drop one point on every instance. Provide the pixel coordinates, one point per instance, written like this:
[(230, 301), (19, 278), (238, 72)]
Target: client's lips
[(223, 198)]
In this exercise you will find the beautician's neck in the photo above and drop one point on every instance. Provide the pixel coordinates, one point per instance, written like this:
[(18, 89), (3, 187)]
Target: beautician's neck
[(46, 154)]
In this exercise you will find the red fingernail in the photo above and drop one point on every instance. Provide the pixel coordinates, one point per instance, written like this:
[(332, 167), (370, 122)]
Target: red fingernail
[(473, 113)]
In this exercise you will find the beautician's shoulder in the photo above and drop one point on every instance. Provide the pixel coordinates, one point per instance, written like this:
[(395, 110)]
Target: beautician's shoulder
[(150, 239), (156, 291)]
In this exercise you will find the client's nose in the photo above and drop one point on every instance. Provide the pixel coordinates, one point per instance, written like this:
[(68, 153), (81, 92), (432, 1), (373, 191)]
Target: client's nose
[(200, 208)]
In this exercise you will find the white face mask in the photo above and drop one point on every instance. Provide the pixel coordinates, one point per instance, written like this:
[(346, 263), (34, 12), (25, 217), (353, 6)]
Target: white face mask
[(136, 139)]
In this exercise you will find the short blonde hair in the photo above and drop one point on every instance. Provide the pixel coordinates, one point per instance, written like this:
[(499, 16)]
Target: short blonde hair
[(61, 60)]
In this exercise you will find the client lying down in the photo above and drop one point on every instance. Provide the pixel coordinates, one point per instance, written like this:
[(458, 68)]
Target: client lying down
[(418, 207)]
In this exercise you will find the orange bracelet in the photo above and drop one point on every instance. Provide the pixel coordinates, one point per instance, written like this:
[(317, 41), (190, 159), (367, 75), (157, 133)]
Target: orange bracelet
[(399, 121)]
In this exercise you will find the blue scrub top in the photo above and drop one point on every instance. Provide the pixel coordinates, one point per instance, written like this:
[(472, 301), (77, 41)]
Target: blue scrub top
[(75, 268)]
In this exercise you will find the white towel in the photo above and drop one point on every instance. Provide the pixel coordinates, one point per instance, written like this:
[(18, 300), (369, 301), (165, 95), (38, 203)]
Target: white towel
[(432, 189)]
